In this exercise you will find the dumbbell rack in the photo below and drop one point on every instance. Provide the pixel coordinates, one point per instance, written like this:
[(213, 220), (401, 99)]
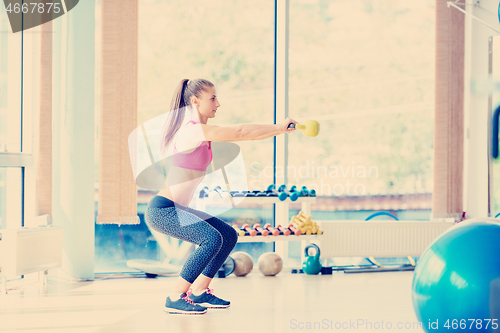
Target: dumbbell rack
[(280, 248), (270, 239), (306, 208)]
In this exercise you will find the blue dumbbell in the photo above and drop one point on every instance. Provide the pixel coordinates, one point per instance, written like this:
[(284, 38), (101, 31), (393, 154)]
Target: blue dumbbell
[(304, 192), (283, 194), (204, 192)]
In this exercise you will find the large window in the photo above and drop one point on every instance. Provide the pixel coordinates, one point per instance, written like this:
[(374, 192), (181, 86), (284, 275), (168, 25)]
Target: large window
[(230, 43), (365, 71)]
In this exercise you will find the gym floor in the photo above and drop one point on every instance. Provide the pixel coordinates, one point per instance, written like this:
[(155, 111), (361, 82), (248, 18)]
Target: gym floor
[(355, 302)]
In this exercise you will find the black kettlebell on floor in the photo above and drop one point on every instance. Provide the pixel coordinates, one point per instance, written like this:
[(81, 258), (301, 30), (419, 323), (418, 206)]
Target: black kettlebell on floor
[(312, 266)]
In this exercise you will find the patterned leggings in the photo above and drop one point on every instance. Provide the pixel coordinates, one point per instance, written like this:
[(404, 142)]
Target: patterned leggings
[(216, 238)]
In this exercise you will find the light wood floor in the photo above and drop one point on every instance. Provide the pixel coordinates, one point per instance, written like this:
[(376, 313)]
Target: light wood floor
[(284, 303)]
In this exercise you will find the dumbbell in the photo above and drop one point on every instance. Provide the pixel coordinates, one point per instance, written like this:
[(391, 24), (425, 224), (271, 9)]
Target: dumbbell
[(293, 193), (248, 229), (204, 192), (312, 193), (309, 127), (263, 232), (304, 192), (296, 231), (238, 230), (273, 231), (303, 218), (294, 190), (271, 191), (283, 194), (284, 230)]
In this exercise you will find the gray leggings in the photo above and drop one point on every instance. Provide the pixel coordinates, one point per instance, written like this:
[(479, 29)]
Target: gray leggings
[(216, 238)]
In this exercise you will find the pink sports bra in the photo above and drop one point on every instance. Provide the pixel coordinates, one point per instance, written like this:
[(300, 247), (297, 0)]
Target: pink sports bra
[(199, 159)]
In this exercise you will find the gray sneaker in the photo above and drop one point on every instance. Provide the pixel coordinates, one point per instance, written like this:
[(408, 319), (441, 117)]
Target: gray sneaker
[(208, 299), (183, 306)]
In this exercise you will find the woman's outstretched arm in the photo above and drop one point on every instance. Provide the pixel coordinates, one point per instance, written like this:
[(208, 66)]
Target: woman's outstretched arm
[(245, 131)]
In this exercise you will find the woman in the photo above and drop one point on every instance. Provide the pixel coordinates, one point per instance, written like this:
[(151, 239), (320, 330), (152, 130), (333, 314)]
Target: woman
[(186, 133)]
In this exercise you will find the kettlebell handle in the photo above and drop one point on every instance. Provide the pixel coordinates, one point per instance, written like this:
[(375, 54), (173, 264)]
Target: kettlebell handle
[(297, 126), (312, 245)]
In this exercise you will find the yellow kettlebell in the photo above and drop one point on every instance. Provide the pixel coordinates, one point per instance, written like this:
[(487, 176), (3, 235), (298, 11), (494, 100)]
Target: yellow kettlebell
[(309, 127)]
